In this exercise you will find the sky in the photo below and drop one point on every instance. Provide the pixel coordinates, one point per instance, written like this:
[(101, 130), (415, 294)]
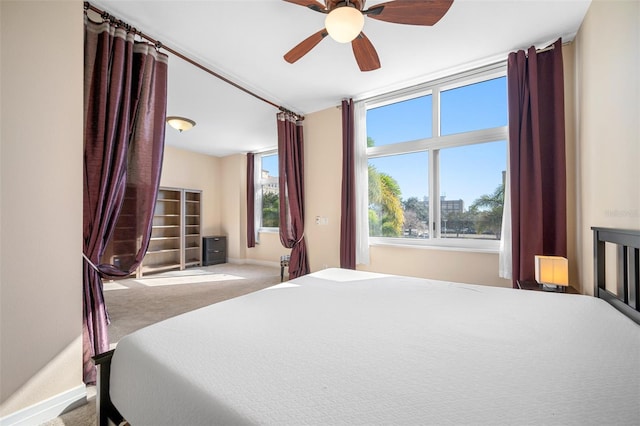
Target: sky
[(465, 172), (270, 163)]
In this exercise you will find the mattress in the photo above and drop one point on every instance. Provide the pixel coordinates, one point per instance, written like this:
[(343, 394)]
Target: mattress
[(344, 347)]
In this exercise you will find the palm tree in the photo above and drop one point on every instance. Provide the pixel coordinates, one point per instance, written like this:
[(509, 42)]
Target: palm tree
[(385, 208), (393, 216), (488, 209)]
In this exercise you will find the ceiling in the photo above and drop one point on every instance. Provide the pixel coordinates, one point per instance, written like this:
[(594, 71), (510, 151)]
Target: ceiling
[(244, 41)]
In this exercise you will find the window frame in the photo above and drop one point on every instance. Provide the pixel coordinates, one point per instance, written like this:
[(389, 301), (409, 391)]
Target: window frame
[(258, 182), (432, 145)]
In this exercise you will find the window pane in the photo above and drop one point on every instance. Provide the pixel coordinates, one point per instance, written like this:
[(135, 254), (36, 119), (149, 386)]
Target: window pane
[(270, 191), (472, 190), (398, 188), (400, 122), (476, 106)]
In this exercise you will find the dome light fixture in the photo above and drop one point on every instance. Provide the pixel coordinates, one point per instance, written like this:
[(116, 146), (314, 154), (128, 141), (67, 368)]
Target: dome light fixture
[(344, 23), (180, 123)]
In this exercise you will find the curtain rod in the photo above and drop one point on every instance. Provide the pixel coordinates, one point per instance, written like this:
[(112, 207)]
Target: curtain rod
[(159, 45), (551, 46)]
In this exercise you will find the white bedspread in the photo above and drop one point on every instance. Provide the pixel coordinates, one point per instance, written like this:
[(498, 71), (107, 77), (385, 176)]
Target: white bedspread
[(346, 348)]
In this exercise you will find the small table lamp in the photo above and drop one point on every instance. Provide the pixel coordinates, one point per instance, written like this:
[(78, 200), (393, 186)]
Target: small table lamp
[(552, 271)]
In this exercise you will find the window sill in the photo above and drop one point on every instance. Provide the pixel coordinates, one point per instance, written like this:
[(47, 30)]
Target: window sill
[(452, 244), (268, 230)]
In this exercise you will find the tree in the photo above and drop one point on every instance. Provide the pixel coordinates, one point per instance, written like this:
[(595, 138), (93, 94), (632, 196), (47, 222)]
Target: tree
[(459, 222), (488, 209), (416, 215), (392, 214), (420, 208), (270, 210), (385, 208)]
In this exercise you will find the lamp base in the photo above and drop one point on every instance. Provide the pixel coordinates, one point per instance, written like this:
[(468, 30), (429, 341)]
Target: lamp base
[(553, 287)]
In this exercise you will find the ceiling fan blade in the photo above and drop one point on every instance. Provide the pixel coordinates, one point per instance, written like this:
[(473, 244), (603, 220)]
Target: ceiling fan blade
[(305, 46), (412, 12), (365, 53), (311, 4)]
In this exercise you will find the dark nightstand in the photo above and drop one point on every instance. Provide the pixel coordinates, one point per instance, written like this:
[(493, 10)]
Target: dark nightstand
[(535, 286), (214, 250)]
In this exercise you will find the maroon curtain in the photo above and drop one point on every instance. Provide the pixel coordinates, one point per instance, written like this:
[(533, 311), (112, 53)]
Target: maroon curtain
[(251, 224), (537, 157), (125, 92), (348, 207), (291, 181)]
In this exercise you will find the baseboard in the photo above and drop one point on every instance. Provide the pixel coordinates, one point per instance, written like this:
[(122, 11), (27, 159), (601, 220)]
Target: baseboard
[(48, 409), (254, 262)]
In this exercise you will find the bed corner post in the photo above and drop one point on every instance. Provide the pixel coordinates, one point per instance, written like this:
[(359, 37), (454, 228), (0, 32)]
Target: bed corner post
[(105, 409), (598, 262)]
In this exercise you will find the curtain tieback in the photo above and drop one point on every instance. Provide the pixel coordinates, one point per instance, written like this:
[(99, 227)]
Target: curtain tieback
[(90, 263)]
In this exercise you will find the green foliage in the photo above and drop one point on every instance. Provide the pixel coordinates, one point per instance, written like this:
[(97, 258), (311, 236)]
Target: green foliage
[(420, 208), (375, 226), (392, 214), (460, 223), (270, 210), (488, 211), (375, 186), (385, 207)]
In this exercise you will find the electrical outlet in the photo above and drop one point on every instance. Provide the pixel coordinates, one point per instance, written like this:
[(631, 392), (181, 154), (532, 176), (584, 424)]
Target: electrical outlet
[(320, 220)]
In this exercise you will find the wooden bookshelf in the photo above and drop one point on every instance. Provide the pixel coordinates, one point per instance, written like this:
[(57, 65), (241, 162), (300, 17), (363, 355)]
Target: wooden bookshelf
[(176, 232)]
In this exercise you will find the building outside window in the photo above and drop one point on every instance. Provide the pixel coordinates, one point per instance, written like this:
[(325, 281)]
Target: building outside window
[(437, 158)]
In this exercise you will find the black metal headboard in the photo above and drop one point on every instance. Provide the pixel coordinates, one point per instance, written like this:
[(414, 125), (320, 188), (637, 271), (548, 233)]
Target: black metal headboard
[(627, 242)]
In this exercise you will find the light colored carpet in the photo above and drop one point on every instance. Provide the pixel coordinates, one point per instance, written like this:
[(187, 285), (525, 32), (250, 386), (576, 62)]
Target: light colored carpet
[(136, 303)]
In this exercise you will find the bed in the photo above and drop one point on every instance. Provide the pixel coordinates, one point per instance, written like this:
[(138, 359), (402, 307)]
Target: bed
[(351, 347)]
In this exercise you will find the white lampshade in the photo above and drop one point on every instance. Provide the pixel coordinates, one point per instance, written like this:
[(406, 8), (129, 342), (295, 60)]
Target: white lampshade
[(180, 123), (344, 23), (552, 270)]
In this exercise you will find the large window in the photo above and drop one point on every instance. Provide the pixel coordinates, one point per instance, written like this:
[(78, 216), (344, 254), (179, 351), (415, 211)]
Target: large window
[(267, 212), (437, 158)]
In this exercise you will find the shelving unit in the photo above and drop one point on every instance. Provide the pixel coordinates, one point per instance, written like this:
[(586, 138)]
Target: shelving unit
[(124, 245), (176, 231), (164, 246), (192, 256)]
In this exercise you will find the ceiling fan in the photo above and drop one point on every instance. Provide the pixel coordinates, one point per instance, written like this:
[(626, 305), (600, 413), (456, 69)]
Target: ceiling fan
[(345, 20)]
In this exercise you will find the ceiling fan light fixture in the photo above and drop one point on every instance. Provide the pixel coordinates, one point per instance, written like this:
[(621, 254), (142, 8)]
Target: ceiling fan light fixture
[(344, 23), (180, 123)]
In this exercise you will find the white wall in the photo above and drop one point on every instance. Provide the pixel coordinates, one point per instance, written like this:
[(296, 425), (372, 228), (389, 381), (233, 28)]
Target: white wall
[(41, 201), (323, 186), (233, 191), (188, 170), (608, 124)]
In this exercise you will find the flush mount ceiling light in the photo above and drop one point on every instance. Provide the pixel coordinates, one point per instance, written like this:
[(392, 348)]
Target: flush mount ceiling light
[(344, 23), (180, 123)]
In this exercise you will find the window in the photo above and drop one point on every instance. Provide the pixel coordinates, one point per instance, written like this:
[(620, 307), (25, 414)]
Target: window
[(267, 214), (390, 213), (437, 157)]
